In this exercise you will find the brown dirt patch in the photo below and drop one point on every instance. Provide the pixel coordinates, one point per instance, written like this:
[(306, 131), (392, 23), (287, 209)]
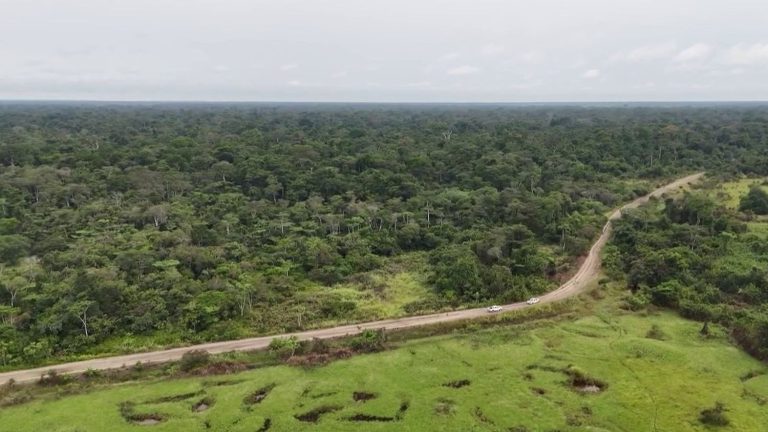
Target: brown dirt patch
[(203, 405), (362, 396), (314, 415), (458, 383), (259, 395)]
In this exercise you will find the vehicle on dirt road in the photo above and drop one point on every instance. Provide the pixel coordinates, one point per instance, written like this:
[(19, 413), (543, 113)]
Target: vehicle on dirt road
[(533, 300), (494, 308)]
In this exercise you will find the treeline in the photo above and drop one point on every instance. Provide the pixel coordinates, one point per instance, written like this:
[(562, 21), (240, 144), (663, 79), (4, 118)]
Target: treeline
[(199, 222), (698, 257)]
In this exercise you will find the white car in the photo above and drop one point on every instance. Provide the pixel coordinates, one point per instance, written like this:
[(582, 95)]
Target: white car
[(533, 300), (494, 308)]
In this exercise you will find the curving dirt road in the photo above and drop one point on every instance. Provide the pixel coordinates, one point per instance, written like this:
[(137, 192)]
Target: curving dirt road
[(587, 272)]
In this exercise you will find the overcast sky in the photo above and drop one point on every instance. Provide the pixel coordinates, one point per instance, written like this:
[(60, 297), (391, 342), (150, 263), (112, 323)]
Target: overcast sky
[(384, 50)]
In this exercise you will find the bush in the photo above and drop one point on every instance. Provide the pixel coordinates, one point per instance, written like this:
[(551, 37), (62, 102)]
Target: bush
[(636, 302), (284, 348), (92, 373), (714, 416), (193, 360), (53, 378), (369, 341), (656, 332)]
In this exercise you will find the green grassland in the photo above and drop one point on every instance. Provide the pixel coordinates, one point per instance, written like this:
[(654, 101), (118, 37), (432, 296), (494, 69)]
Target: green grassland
[(509, 378), (730, 193)]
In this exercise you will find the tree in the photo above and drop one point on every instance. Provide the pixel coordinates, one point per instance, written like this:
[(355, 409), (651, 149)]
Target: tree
[(13, 247), (158, 214), (80, 310), (756, 200)]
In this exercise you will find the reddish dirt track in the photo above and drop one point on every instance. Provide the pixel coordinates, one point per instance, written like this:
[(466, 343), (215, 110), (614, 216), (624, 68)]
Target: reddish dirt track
[(587, 272)]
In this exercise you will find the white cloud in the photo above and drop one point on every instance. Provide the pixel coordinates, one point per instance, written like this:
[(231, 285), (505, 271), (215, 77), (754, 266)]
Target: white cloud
[(463, 70), (287, 67), (294, 83), (694, 52), (492, 49), (743, 54), (591, 74), (647, 53)]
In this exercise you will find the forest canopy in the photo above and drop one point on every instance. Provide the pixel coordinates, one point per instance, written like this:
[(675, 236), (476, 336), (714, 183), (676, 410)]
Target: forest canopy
[(198, 222)]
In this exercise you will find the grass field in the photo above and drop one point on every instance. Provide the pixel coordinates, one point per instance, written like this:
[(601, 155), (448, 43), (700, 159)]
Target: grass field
[(600, 373), (731, 192)]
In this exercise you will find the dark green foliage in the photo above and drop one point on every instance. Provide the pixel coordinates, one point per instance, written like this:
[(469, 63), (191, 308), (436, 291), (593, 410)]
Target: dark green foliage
[(714, 416), (369, 341), (13, 247), (198, 222), (755, 201)]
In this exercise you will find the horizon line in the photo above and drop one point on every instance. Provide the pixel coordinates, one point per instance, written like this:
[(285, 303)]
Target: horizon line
[(375, 102)]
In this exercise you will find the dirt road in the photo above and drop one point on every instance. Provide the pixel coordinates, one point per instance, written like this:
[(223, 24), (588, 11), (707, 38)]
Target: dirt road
[(586, 273)]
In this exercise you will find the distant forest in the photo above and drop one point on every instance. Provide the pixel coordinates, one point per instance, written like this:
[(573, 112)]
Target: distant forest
[(123, 224)]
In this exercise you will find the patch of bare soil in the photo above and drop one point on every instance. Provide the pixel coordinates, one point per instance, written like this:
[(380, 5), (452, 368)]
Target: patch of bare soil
[(362, 396), (259, 395), (589, 389), (457, 383), (174, 398), (445, 406), (144, 419), (369, 418), (314, 415), (203, 405), (583, 383), (147, 422), (480, 415), (222, 383)]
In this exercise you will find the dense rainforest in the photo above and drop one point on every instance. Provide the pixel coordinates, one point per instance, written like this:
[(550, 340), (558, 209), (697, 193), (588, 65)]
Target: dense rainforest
[(205, 221)]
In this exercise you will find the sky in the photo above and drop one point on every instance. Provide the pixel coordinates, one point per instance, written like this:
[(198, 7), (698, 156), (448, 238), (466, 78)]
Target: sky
[(385, 50)]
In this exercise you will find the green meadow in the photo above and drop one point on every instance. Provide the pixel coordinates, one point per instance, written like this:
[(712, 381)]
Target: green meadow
[(605, 371)]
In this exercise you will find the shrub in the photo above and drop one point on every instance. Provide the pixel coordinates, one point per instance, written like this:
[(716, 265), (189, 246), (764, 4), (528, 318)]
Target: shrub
[(369, 341), (92, 373), (318, 346), (705, 329), (284, 348), (53, 378), (635, 302), (655, 332), (193, 360)]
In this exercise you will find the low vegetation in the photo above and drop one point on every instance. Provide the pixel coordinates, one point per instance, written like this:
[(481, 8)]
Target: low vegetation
[(598, 372)]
